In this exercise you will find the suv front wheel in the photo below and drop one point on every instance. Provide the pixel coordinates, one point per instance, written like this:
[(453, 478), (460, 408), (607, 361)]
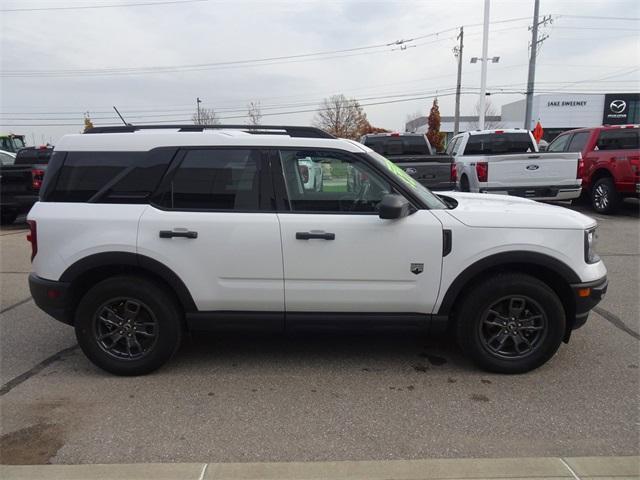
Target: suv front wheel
[(128, 325), (511, 323)]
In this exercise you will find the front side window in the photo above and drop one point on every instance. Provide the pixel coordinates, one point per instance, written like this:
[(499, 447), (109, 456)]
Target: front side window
[(6, 159), (331, 182), (619, 139), (215, 179), (559, 144), (578, 141)]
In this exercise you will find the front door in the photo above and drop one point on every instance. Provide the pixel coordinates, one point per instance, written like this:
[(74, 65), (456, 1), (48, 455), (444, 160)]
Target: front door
[(213, 225), (339, 256)]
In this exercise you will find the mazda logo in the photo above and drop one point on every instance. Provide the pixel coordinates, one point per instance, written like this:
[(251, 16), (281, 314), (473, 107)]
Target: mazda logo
[(532, 167), (618, 106)]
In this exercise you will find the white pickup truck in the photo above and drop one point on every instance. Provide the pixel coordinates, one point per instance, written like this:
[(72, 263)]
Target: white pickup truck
[(508, 162)]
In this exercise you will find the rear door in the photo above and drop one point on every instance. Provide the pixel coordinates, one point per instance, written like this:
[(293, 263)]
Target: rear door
[(339, 256), (618, 150), (213, 224)]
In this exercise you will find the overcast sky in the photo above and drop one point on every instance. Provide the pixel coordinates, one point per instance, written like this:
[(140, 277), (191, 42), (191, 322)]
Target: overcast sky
[(59, 62)]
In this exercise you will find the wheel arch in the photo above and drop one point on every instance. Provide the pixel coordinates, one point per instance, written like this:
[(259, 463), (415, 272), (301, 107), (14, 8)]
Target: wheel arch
[(600, 172), (88, 271), (553, 272)]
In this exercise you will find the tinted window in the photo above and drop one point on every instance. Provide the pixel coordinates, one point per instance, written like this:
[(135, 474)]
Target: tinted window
[(342, 183), (452, 149), (32, 155), (623, 139), (498, 143), (6, 159), (398, 145), (108, 177), (578, 141), (220, 179), (559, 144)]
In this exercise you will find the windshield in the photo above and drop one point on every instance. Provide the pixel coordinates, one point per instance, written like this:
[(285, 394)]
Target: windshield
[(419, 190)]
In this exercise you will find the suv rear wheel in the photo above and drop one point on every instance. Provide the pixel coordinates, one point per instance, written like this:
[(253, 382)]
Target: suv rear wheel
[(511, 323), (604, 196), (128, 325)]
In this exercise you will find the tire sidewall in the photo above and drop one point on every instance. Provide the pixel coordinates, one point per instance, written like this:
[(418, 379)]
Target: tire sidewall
[(484, 296), (612, 195), (155, 298)]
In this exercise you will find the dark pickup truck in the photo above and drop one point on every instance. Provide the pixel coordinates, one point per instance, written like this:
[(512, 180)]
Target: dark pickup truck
[(413, 153), (20, 183)]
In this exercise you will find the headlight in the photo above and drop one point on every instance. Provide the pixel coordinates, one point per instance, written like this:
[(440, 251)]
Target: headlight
[(590, 241)]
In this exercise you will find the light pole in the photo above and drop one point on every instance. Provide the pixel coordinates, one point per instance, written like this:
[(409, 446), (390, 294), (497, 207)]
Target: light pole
[(198, 102)]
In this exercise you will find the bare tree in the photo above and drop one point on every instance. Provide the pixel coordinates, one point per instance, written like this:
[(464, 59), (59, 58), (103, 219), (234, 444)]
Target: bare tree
[(413, 116), (207, 116), (341, 117), (254, 112), (489, 111)]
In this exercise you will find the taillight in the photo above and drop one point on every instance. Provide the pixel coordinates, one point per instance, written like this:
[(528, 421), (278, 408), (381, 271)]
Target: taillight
[(580, 171), (304, 173), (482, 170), (32, 237), (454, 173), (37, 175)]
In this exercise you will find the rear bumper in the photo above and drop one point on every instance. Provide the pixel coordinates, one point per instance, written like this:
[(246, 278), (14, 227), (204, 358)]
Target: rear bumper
[(537, 193), (586, 296), (52, 297), (439, 186)]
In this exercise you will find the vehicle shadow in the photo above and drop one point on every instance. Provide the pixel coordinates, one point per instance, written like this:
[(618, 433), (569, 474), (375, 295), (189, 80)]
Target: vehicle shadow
[(371, 351)]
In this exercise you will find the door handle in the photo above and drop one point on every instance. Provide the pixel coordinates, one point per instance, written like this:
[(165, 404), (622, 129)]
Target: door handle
[(315, 235), (182, 234)]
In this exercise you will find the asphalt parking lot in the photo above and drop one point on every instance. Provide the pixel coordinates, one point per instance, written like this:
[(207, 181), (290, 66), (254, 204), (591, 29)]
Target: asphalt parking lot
[(320, 397)]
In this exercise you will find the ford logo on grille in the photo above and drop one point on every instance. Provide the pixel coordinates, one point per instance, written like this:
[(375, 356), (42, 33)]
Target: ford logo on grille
[(532, 167), (411, 171)]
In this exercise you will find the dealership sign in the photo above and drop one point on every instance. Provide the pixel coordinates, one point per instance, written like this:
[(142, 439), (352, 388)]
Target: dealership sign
[(567, 103), (617, 106)]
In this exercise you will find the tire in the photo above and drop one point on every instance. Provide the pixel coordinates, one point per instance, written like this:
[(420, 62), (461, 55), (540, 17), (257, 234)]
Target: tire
[(7, 218), (604, 196), (464, 184), (542, 323), (107, 338)]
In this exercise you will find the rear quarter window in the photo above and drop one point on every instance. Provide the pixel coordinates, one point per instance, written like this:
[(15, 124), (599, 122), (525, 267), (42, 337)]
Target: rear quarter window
[(622, 139), (105, 177), (498, 144)]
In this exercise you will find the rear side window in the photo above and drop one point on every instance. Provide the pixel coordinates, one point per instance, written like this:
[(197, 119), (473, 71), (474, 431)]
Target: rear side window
[(623, 139), (578, 141), (398, 145), (107, 177), (499, 143), (215, 179)]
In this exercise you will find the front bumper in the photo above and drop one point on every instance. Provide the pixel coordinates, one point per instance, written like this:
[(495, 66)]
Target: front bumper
[(52, 297), (586, 296)]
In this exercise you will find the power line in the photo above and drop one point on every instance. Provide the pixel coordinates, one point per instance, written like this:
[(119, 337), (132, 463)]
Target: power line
[(596, 17), (375, 48), (87, 7)]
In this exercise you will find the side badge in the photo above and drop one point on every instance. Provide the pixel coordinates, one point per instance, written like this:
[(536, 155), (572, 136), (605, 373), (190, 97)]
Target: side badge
[(417, 268)]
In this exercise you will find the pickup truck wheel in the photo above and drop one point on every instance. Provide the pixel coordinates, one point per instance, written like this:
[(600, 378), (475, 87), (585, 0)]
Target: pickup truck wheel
[(7, 218), (604, 197), (511, 323), (464, 184), (128, 325)]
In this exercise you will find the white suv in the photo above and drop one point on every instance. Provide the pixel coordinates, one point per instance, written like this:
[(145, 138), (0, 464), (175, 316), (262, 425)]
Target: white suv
[(143, 233)]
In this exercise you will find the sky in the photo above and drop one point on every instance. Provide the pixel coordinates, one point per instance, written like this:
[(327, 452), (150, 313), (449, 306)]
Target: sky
[(62, 58)]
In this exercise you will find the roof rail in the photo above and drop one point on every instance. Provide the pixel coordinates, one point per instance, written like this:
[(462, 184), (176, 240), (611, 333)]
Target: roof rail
[(292, 131)]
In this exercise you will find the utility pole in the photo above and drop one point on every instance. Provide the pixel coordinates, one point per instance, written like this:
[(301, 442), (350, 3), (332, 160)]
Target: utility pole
[(198, 102), (532, 61), (483, 73), (457, 51)]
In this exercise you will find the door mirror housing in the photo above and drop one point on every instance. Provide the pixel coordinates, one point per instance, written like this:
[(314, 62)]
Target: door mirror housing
[(393, 206)]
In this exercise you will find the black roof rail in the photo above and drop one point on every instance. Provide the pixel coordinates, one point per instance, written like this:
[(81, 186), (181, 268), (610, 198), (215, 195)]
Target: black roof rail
[(292, 131)]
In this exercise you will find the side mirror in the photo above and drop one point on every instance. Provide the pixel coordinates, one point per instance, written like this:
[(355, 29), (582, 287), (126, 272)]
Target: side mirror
[(393, 206)]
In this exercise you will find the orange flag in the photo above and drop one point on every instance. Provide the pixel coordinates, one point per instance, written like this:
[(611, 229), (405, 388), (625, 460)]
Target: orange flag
[(538, 132)]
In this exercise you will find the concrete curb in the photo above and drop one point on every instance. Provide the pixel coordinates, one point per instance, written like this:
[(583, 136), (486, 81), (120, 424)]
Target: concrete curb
[(580, 468)]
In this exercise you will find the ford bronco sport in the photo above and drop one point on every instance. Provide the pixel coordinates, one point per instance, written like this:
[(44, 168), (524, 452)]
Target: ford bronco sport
[(143, 233)]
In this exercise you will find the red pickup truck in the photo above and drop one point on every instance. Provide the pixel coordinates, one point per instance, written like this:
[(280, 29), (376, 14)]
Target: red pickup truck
[(611, 162)]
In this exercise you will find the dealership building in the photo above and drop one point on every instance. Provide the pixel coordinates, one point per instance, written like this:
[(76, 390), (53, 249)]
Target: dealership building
[(555, 112)]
